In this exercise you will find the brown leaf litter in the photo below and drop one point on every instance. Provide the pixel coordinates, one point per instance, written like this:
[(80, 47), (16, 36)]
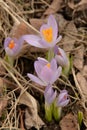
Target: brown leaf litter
[(69, 122), (55, 6), (3, 98), (31, 114)]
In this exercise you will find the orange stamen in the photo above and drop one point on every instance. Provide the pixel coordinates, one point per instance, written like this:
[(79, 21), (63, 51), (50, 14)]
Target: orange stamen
[(48, 65), (11, 44), (48, 34)]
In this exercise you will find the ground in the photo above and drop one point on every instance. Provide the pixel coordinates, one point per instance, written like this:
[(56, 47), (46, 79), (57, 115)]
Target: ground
[(21, 101)]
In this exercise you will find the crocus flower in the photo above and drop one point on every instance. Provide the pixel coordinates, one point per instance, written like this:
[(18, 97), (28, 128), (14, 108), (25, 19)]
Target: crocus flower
[(60, 56), (12, 46), (48, 35), (49, 94), (63, 98), (47, 72)]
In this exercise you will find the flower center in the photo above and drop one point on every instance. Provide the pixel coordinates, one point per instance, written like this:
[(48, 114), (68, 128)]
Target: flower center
[(48, 65), (48, 34), (11, 45)]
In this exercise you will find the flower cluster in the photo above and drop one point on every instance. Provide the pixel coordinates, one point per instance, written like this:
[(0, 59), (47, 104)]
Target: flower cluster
[(48, 71)]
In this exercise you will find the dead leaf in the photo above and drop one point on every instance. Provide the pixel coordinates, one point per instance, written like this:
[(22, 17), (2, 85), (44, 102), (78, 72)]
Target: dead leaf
[(79, 57), (69, 122), (84, 71), (81, 3), (32, 118), (30, 122), (55, 6), (83, 84), (3, 98), (1, 87), (37, 22), (3, 104), (68, 42), (72, 5), (21, 29), (80, 14), (2, 70), (62, 23)]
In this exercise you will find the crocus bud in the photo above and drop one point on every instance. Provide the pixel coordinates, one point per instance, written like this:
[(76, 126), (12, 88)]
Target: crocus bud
[(12, 46), (60, 56), (63, 98), (60, 102), (49, 96)]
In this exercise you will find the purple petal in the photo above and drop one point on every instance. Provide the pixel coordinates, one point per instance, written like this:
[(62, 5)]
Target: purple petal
[(46, 74), (49, 94), (61, 58), (64, 103), (38, 67), (9, 51), (6, 42), (56, 75), (63, 98), (58, 39), (43, 27), (35, 79), (39, 64), (33, 40), (55, 49), (53, 65), (52, 98), (42, 61), (46, 44), (52, 22)]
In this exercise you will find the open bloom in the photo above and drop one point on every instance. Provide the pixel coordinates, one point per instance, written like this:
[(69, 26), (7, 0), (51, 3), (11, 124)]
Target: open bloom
[(60, 56), (49, 95), (63, 98), (12, 46), (47, 72), (48, 35)]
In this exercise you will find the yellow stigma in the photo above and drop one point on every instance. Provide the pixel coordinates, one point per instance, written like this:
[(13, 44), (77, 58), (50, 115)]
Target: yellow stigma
[(48, 34), (48, 65), (11, 44)]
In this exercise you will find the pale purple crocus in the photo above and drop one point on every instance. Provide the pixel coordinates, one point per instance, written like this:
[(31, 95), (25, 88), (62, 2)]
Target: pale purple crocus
[(47, 72), (60, 56), (12, 46), (49, 95), (63, 99), (48, 35)]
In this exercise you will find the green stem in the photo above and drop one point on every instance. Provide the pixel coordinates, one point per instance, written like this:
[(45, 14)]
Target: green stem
[(9, 59), (50, 54), (57, 113), (48, 112)]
